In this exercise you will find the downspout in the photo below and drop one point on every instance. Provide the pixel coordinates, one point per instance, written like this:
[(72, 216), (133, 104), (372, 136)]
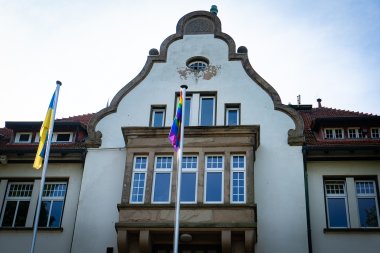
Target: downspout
[(309, 240)]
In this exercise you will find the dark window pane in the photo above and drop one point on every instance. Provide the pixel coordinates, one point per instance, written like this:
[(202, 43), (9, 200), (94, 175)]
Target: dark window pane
[(232, 117), (9, 213), (367, 212), (158, 118), (63, 137), (187, 111), (55, 215), (188, 185), (161, 187), (24, 138), (214, 186), (22, 212), (337, 212), (207, 112), (44, 214)]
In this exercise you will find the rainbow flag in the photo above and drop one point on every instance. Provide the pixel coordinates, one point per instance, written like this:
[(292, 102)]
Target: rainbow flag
[(175, 131), (44, 135)]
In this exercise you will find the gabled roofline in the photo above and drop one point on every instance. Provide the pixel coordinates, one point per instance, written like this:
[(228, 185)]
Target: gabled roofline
[(199, 22)]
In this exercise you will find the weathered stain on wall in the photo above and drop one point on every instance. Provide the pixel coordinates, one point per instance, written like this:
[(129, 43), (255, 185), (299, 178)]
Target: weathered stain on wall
[(209, 72)]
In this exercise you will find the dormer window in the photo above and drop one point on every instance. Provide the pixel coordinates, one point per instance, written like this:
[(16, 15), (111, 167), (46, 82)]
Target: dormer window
[(375, 133), (197, 63), (355, 133), (334, 133), (63, 137), (23, 137)]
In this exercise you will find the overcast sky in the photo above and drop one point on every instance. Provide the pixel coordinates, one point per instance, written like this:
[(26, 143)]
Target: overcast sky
[(327, 49)]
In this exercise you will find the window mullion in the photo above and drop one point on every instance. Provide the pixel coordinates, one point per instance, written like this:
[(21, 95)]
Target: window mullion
[(352, 203), (33, 203), (16, 211)]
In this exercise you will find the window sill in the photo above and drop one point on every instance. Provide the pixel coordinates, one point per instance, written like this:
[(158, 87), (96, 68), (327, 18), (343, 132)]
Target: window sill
[(351, 230), (30, 229)]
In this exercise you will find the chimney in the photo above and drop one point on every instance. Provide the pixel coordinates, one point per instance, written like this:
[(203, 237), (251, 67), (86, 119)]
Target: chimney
[(319, 102)]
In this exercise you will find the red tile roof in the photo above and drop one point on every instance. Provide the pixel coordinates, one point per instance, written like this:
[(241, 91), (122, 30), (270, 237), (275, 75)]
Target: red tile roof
[(320, 113), (84, 118), (6, 134)]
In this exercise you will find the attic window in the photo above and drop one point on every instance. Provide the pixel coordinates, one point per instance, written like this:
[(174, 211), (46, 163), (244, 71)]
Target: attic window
[(63, 137), (197, 63), (23, 137)]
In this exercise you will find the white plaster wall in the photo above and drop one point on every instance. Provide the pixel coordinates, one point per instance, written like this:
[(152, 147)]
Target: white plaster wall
[(47, 240), (101, 192), (332, 241), (279, 186)]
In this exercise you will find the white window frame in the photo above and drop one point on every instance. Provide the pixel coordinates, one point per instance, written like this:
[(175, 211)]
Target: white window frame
[(368, 196), (354, 133), (138, 170), (238, 170), (18, 135), (334, 132), (154, 111), (214, 170), (18, 199), (213, 111), (190, 171), (55, 136), (336, 196), (163, 171), (52, 199), (375, 133)]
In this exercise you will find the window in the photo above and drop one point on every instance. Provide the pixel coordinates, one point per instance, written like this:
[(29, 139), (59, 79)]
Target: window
[(375, 133), (189, 179), (23, 137), (157, 116), (207, 111), (162, 179), (334, 133), (367, 203), (232, 117), (62, 137), (16, 204), (336, 201), (197, 63), (53, 198), (187, 111), (352, 203), (355, 133), (238, 183), (140, 166), (214, 179)]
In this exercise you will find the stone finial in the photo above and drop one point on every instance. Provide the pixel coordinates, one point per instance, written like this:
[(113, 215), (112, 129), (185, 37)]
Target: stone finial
[(242, 50), (214, 9), (153, 51)]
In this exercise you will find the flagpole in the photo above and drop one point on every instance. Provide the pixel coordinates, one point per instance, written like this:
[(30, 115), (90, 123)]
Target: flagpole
[(46, 160), (179, 171)]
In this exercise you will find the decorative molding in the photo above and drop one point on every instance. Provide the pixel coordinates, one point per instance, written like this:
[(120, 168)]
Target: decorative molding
[(200, 22)]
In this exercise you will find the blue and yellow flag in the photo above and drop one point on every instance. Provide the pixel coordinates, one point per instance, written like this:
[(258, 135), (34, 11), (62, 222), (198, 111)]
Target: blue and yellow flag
[(44, 135)]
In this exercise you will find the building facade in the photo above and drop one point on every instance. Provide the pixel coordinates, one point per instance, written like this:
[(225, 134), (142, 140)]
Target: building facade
[(258, 175)]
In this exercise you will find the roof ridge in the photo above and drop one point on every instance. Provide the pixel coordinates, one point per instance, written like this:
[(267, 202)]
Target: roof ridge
[(349, 111)]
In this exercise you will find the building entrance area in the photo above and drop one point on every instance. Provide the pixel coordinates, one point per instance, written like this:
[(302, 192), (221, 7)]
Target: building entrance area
[(187, 249)]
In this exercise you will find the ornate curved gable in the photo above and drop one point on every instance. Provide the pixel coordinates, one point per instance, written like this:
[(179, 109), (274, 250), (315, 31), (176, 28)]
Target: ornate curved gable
[(199, 22)]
